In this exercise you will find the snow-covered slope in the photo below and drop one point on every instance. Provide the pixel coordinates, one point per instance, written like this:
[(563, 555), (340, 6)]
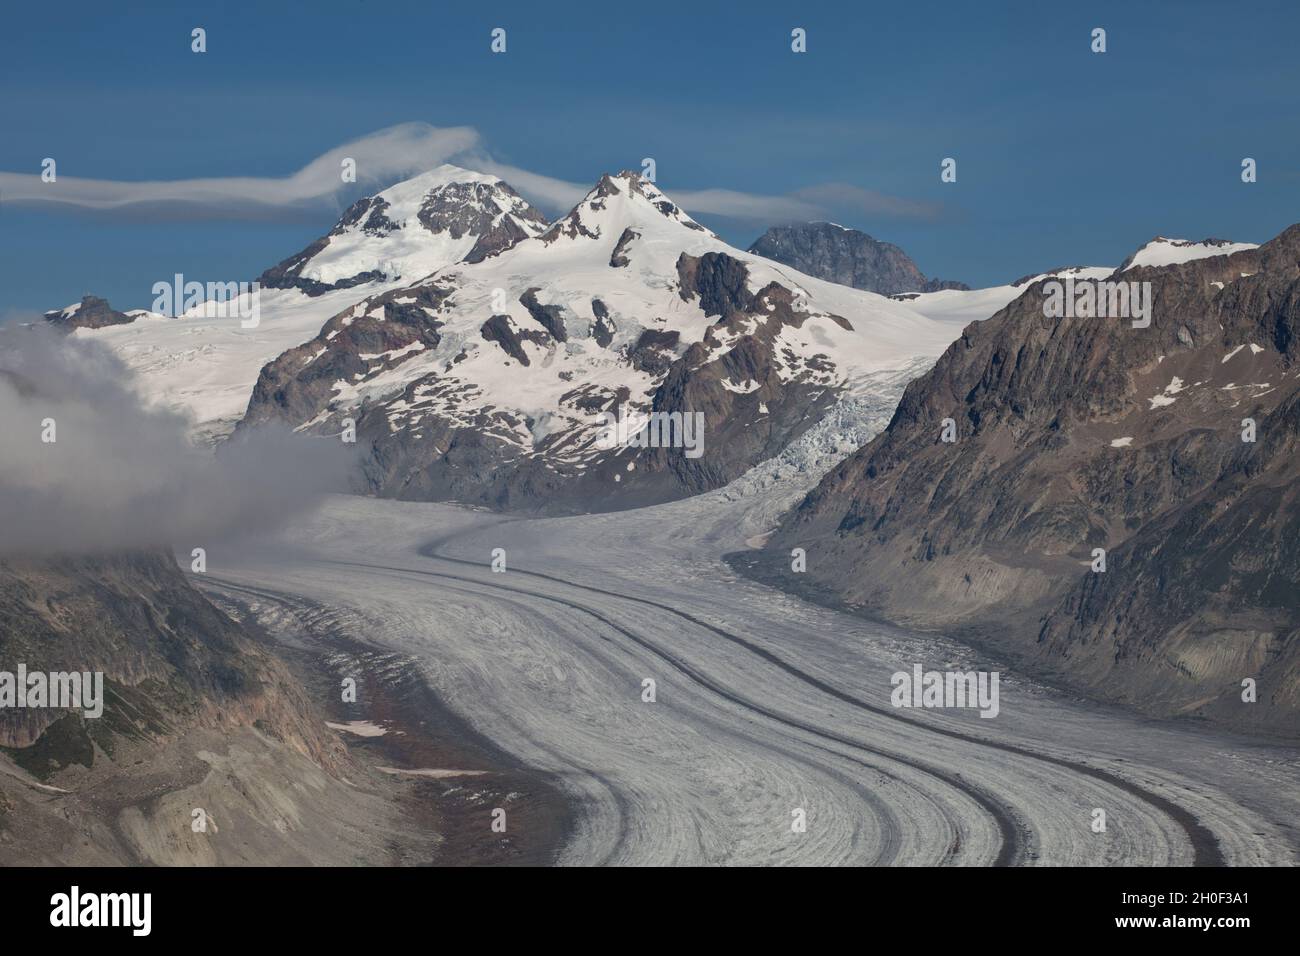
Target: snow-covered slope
[(484, 381), (965, 306), (206, 367), (1166, 252), (960, 307)]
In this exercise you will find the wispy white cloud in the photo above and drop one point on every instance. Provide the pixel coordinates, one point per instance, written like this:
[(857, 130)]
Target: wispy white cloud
[(385, 156), (813, 202), (381, 156), (867, 202)]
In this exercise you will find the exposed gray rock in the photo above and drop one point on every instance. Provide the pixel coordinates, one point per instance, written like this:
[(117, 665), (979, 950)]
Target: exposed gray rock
[(549, 317), (500, 330), (603, 328), (653, 351), (717, 280), (299, 384), (618, 258)]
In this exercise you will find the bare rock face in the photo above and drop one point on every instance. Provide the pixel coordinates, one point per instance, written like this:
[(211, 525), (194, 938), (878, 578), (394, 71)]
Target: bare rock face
[(717, 280), (171, 662), (838, 254), (502, 331), (300, 382), (91, 313), (202, 723), (1077, 436)]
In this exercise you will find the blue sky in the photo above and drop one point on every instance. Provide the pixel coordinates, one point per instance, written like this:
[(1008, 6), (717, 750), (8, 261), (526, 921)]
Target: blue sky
[(1064, 156)]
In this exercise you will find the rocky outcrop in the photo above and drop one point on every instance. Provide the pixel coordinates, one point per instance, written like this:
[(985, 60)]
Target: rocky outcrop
[(717, 280), (91, 312), (602, 326), (362, 340), (501, 330), (1074, 437), (549, 317), (500, 237), (618, 259), (847, 256)]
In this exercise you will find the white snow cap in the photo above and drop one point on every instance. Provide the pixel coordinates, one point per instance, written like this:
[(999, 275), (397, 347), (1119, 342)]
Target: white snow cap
[(1167, 252), (406, 197), (412, 251)]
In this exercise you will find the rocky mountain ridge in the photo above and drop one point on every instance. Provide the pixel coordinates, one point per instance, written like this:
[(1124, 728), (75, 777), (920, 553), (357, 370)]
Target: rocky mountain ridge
[(1077, 434)]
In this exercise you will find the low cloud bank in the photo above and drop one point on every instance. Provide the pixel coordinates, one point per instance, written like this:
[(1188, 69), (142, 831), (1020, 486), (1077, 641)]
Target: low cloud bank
[(85, 469)]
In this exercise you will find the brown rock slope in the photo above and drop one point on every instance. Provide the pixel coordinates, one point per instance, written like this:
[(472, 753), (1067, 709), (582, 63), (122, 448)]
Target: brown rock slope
[(197, 714), (1081, 433)]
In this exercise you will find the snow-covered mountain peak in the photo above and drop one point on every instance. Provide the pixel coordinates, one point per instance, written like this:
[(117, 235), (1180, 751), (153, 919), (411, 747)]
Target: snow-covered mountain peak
[(458, 202), (620, 203), (410, 230), (487, 380), (407, 196)]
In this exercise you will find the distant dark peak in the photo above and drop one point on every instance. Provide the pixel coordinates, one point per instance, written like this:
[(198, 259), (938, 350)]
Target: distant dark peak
[(942, 285), (850, 257)]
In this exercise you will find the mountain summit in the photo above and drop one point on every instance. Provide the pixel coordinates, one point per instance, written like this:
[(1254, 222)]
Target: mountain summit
[(410, 230)]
